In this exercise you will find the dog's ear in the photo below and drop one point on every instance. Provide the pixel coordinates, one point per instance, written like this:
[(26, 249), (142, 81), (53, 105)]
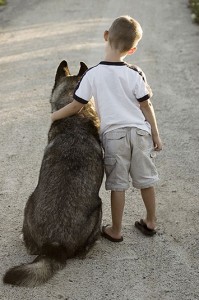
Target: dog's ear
[(62, 71), (66, 69), (83, 68)]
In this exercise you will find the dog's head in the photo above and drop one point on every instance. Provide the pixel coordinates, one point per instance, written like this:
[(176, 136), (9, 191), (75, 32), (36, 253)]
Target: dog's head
[(65, 83)]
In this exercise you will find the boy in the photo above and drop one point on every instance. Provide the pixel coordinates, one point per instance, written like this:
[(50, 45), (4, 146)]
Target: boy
[(128, 126)]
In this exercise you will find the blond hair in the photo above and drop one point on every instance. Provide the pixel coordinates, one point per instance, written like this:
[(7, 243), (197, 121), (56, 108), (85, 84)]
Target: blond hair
[(124, 33)]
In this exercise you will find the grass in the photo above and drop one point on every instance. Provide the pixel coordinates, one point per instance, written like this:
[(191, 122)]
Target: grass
[(194, 6)]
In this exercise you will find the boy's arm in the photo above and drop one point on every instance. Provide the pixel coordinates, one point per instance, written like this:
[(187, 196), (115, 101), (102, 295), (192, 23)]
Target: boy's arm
[(148, 111), (67, 111)]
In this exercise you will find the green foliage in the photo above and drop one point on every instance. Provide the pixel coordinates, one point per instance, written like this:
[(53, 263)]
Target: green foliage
[(194, 6), (2, 2)]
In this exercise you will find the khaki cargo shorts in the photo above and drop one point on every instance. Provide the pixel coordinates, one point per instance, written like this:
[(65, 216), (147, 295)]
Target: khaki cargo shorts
[(129, 151)]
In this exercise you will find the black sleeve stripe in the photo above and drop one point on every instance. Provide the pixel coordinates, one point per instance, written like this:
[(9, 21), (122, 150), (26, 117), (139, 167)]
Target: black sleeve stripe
[(146, 97), (78, 99), (138, 70)]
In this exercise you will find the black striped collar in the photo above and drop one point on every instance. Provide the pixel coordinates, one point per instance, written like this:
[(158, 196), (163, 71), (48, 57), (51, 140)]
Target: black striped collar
[(111, 63)]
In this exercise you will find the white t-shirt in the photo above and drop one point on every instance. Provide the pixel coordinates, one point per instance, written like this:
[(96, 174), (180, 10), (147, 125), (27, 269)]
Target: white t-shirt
[(117, 89)]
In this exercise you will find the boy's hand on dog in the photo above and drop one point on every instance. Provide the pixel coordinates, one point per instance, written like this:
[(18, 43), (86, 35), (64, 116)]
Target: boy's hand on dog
[(53, 117)]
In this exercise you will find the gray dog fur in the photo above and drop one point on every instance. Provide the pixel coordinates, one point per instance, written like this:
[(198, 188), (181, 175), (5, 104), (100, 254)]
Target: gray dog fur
[(62, 217)]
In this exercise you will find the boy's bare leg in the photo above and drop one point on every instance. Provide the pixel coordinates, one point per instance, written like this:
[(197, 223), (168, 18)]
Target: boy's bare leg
[(148, 196), (117, 208)]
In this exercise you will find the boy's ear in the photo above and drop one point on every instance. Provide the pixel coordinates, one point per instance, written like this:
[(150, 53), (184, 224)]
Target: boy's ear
[(106, 35), (132, 50)]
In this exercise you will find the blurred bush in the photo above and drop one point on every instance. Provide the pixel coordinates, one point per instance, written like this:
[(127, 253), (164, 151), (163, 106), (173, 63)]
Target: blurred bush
[(2, 2), (194, 6)]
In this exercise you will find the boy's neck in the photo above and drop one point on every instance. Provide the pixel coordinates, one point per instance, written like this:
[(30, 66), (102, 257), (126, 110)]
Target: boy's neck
[(113, 55), (112, 58)]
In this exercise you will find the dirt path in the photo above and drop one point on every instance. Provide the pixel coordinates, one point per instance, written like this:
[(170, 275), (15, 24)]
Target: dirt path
[(34, 37)]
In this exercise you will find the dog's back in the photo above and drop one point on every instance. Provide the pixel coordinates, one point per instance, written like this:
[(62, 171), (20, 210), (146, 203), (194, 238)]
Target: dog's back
[(68, 204), (63, 215)]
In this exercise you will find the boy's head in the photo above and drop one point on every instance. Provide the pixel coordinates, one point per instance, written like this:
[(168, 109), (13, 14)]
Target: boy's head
[(124, 34)]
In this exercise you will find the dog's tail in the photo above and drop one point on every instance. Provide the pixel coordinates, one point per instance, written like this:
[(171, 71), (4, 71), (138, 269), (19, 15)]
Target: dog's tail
[(40, 270)]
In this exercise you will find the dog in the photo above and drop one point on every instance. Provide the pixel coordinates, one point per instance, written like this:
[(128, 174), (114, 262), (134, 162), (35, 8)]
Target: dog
[(62, 217)]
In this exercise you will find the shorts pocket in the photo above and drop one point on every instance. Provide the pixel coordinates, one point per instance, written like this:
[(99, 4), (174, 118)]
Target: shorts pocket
[(116, 135), (144, 140), (109, 163), (114, 141), (142, 132)]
